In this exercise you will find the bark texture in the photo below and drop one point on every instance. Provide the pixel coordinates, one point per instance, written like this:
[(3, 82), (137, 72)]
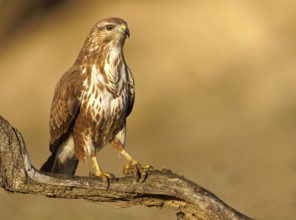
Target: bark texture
[(162, 188)]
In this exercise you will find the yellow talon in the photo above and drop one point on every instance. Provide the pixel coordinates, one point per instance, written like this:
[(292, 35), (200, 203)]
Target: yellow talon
[(135, 169), (106, 177)]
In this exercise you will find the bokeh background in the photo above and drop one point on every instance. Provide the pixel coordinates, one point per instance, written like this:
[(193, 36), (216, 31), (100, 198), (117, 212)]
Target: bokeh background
[(215, 97)]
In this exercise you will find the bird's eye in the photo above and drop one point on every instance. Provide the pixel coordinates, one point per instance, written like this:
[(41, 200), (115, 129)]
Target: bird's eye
[(109, 27)]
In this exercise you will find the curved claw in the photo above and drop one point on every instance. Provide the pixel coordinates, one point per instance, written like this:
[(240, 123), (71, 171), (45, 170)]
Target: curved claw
[(137, 170), (106, 177)]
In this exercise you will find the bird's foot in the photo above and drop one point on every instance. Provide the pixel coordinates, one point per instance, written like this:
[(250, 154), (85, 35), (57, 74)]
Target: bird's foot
[(133, 168), (106, 177)]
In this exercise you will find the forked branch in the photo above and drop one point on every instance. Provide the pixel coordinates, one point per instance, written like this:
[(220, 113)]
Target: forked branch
[(161, 188)]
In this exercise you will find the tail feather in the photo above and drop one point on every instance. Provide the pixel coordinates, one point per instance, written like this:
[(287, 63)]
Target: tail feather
[(54, 165), (63, 159), (48, 165)]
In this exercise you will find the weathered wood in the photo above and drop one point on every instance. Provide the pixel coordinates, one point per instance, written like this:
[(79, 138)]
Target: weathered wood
[(161, 189)]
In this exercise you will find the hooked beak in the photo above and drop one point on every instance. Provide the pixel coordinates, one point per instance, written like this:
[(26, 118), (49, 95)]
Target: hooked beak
[(125, 30)]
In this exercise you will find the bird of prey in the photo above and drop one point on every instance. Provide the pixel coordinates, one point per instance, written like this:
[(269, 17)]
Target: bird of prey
[(91, 103)]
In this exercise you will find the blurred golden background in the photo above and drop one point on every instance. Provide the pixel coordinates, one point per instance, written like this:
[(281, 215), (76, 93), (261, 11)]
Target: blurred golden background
[(215, 97)]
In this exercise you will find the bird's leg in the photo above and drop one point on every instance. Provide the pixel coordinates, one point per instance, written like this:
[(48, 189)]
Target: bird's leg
[(133, 167), (98, 171)]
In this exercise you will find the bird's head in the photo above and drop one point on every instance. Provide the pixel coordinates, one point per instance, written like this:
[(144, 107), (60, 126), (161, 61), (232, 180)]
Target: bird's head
[(106, 36), (112, 31)]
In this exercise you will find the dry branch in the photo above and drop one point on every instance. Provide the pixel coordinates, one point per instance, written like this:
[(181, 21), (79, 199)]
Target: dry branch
[(161, 189)]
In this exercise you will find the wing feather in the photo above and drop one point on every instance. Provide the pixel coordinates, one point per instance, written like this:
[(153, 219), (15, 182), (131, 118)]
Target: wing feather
[(65, 106), (131, 98)]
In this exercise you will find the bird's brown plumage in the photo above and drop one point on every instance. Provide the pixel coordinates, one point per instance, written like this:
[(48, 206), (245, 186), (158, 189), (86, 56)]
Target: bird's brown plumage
[(92, 100), (65, 106)]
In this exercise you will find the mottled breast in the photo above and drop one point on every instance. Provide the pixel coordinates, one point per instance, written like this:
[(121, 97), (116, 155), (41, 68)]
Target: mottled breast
[(104, 103)]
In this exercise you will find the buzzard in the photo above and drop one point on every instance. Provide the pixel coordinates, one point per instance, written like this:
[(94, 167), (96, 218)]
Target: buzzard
[(91, 103)]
